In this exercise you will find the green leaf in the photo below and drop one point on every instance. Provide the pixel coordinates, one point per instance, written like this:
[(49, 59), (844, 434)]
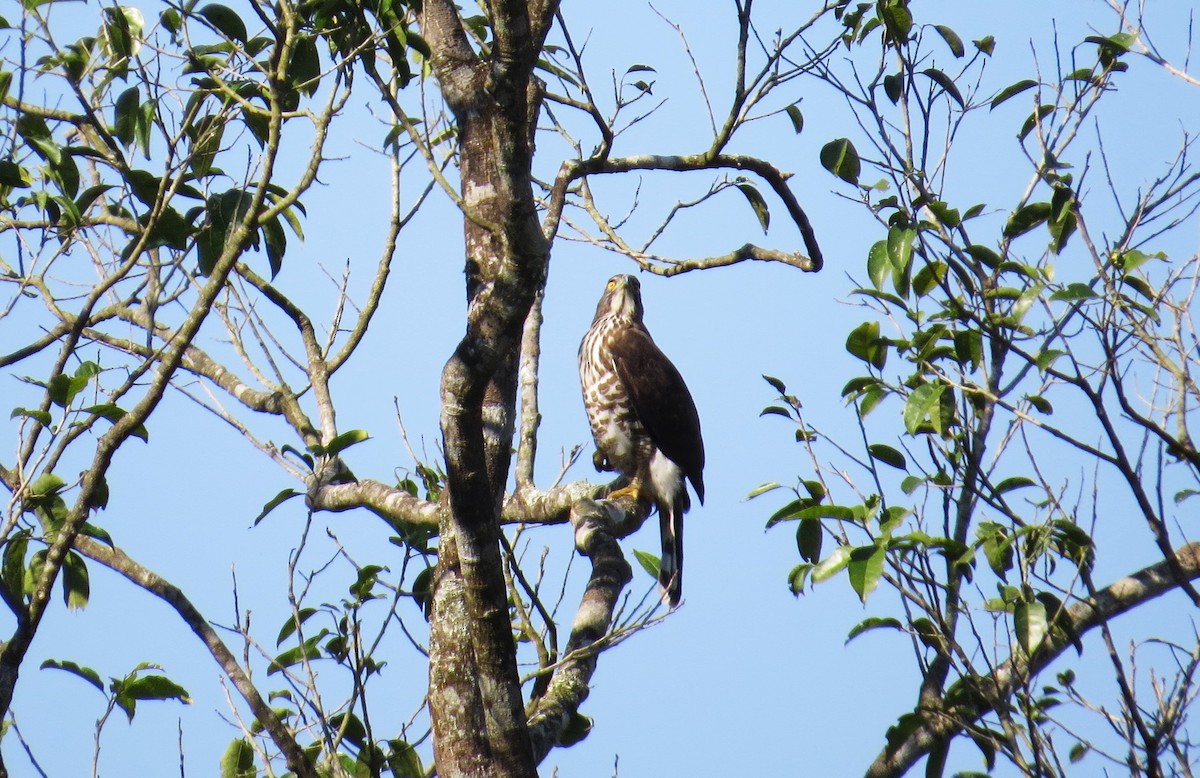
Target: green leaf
[(276, 242), (66, 174), (840, 158), (648, 561), (1029, 621), (928, 278), (1035, 118), (1180, 496), (351, 728), (1133, 259), (89, 196), (832, 564), (1062, 230), (879, 267), (76, 586), (864, 342), (1047, 358), (274, 503), (12, 571), (947, 84), (155, 687), (755, 198), (1141, 287), (422, 589), (125, 115), (984, 255), (968, 348), (308, 650), (36, 133), (1012, 91), (886, 297), (1040, 403), (776, 384), (403, 761), (92, 531), (12, 174), (1078, 752), (1073, 542), (798, 577), (578, 727), (929, 635), (1026, 219), (793, 112), (808, 539), (865, 569), (871, 398), (171, 21), (305, 70), (893, 87), (875, 622), (225, 20), (986, 44), (113, 413), (345, 441), (887, 455), (86, 673), (763, 489), (41, 417), (900, 251), (238, 760), (997, 547), (293, 623), (898, 733), (952, 40), (1073, 292), (897, 21), (1016, 482), (46, 484), (368, 576), (920, 404), (802, 509), (145, 122), (946, 215), (205, 137)]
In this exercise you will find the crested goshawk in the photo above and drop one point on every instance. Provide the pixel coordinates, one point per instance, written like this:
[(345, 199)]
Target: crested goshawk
[(643, 419)]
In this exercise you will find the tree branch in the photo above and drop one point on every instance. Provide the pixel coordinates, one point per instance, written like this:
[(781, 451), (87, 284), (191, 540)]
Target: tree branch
[(983, 693), (777, 179), (117, 560), (597, 527)]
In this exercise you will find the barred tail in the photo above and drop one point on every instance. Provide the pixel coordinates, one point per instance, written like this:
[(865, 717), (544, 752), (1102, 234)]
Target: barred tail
[(670, 568)]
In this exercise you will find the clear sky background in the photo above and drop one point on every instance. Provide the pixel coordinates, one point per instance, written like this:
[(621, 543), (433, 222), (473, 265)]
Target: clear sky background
[(744, 679)]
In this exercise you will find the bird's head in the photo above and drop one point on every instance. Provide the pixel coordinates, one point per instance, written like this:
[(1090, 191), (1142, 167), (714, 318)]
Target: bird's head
[(622, 298)]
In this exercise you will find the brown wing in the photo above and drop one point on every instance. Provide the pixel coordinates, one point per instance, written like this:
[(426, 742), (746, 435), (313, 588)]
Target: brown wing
[(661, 400)]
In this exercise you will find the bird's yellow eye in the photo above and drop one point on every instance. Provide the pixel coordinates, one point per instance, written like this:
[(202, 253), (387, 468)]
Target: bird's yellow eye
[(612, 282)]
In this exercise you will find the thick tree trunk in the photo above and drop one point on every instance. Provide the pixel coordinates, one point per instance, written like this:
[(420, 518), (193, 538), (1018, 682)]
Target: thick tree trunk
[(473, 673)]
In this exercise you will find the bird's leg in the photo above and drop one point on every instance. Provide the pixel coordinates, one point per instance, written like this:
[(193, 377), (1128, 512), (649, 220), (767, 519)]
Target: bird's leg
[(632, 489)]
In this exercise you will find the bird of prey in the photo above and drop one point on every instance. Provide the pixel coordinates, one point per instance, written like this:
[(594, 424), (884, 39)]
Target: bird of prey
[(643, 419)]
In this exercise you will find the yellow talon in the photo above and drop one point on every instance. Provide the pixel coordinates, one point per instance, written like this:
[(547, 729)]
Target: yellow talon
[(632, 489)]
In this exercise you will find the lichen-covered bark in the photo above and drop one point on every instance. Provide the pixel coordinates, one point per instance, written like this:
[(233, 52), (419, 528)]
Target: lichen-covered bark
[(473, 667), (596, 532)]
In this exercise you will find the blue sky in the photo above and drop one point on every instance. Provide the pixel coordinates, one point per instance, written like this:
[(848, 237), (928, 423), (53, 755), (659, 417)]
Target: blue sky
[(744, 679)]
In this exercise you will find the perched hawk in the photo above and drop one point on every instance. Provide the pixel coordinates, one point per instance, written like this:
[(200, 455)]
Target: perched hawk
[(643, 418)]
